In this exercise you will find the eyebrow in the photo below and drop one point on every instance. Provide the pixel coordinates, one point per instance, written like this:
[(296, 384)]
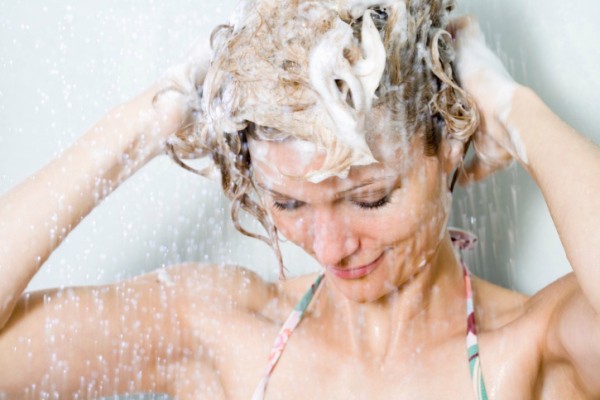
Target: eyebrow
[(338, 195)]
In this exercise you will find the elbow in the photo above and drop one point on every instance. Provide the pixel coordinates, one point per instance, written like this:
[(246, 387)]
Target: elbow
[(7, 306)]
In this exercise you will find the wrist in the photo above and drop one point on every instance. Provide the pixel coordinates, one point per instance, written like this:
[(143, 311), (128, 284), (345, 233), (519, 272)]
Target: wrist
[(155, 115), (517, 121), (124, 140)]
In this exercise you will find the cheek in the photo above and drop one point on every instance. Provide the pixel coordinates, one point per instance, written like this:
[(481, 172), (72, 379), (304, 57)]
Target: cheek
[(418, 208), (294, 227), (399, 222), (431, 212)]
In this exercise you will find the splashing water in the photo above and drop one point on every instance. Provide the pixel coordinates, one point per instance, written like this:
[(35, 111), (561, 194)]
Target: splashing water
[(65, 72)]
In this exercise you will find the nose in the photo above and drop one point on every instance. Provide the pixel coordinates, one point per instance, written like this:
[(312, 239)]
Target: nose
[(333, 238)]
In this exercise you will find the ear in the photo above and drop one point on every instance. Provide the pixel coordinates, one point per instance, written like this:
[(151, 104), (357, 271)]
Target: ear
[(451, 153)]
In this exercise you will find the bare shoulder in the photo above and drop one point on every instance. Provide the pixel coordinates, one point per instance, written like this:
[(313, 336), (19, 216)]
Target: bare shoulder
[(295, 287), (226, 292), (522, 331), (569, 347), (545, 304), (497, 306), (211, 284)]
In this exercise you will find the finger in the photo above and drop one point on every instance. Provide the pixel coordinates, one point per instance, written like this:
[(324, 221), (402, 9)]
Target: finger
[(463, 24), (482, 166), (476, 170)]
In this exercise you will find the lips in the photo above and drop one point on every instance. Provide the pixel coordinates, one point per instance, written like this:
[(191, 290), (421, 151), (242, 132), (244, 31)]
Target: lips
[(357, 272)]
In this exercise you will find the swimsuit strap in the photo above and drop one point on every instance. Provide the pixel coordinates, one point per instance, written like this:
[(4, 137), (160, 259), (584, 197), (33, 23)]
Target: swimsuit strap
[(465, 240), (472, 342), (461, 240), (284, 335)]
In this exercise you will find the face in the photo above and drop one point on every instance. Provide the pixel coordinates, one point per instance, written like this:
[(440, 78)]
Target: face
[(371, 231)]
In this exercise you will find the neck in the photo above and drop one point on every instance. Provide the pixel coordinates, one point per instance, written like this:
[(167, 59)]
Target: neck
[(427, 308)]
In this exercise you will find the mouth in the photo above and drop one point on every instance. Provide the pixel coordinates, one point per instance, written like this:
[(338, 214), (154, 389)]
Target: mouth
[(356, 272)]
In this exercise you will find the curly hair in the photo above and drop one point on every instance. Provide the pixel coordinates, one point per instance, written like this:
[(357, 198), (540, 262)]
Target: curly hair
[(267, 80)]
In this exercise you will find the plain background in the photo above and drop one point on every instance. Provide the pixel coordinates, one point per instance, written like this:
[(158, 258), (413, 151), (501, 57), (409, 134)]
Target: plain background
[(63, 64)]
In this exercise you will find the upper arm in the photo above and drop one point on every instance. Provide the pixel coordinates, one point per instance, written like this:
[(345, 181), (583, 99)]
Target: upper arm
[(93, 341), (574, 335), (90, 341), (126, 337)]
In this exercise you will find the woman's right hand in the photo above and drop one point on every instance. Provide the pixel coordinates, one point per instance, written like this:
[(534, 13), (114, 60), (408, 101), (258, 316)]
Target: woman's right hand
[(485, 78), (61, 194), (176, 95)]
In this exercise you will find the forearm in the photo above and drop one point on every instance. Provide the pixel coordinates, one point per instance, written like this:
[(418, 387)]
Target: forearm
[(566, 167), (38, 214)]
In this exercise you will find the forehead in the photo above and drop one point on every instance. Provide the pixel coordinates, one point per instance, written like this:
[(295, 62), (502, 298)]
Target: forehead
[(287, 161)]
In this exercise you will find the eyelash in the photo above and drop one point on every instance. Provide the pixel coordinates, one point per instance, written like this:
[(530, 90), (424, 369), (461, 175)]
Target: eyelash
[(294, 205), (376, 204), (288, 205)]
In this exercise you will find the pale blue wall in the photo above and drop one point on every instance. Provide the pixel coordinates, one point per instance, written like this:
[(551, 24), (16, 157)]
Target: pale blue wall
[(552, 47), (63, 65)]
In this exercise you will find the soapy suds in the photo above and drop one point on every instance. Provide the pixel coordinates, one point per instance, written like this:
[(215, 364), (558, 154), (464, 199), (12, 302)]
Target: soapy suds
[(164, 278), (361, 80), (326, 70), (515, 136), (357, 8), (475, 62), (370, 69), (260, 152)]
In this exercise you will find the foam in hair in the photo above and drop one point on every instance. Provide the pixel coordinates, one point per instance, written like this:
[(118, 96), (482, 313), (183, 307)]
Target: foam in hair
[(347, 91)]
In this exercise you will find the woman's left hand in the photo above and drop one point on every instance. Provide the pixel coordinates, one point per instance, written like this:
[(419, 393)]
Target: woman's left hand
[(484, 77)]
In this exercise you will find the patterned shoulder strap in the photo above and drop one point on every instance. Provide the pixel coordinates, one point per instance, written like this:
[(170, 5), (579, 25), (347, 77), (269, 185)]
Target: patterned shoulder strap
[(465, 240), (472, 342), (284, 335), (461, 240)]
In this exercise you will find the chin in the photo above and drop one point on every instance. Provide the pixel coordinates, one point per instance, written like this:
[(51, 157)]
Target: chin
[(370, 287), (396, 269), (364, 291)]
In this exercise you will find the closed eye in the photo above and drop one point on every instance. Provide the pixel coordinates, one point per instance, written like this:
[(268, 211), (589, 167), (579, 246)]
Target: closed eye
[(375, 204), (289, 205), (292, 205)]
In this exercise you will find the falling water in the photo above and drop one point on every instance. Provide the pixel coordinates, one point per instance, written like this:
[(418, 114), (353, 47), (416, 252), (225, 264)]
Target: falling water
[(63, 65)]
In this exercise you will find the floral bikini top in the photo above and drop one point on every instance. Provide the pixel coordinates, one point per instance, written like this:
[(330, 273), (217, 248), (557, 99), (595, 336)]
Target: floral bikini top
[(461, 240)]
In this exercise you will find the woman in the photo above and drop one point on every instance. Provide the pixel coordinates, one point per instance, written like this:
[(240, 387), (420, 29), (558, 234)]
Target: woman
[(338, 125)]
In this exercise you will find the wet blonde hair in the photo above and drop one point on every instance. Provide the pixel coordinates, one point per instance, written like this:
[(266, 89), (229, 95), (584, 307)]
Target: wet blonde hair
[(260, 85)]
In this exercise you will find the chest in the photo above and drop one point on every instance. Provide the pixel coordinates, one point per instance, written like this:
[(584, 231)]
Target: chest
[(311, 367), (327, 373)]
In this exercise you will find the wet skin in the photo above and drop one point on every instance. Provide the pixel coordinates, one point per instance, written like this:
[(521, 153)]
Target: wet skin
[(391, 214), (397, 332), (389, 320)]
